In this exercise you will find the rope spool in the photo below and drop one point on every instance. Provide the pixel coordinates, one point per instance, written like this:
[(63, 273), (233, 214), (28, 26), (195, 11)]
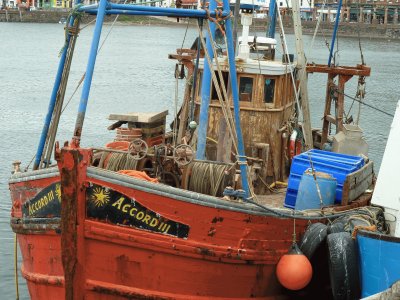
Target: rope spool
[(117, 161), (208, 178)]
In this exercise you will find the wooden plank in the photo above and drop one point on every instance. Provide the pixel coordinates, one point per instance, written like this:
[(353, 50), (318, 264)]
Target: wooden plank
[(357, 182), (224, 147), (361, 188), (359, 70), (359, 175), (139, 117), (146, 125), (116, 125), (327, 111), (124, 117), (153, 130)]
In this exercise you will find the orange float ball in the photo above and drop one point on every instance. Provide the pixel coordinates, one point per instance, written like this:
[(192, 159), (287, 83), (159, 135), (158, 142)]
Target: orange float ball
[(294, 270)]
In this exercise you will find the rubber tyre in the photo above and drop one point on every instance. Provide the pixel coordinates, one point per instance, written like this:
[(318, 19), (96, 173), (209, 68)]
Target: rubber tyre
[(343, 266), (335, 228), (314, 236)]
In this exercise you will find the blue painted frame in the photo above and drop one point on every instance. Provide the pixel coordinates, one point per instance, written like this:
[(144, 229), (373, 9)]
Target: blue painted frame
[(103, 8)]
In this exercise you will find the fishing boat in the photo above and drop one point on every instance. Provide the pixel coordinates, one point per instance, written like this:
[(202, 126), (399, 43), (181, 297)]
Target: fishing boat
[(379, 250), (196, 213)]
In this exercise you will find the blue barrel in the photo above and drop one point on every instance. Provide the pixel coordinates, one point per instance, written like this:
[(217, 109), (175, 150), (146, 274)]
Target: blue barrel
[(307, 196)]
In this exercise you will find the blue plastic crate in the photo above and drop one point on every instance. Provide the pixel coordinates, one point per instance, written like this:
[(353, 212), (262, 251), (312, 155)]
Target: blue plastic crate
[(356, 161), (335, 164)]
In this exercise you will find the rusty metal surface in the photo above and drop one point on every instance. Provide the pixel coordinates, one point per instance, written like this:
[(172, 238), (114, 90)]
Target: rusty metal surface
[(34, 175), (177, 194), (72, 163), (105, 288), (35, 225), (359, 70), (42, 278), (68, 171)]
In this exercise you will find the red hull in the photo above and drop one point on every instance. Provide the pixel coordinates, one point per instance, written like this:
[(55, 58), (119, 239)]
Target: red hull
[(227, 253), (39, 238)]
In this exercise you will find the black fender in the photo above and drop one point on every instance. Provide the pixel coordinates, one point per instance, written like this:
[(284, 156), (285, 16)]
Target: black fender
[(314, 236), (343, 266), (336, 227)]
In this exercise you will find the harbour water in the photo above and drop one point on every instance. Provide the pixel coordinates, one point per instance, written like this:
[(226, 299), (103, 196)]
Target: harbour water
[(133, 74)]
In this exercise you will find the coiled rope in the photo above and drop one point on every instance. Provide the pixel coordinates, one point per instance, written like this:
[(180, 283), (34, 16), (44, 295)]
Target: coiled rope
[(117, 161), (206, 178)]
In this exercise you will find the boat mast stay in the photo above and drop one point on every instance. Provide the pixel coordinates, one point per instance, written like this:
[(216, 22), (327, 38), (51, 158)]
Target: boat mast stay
[(302, 75), (89, 74), (334, 32), (205, 93), (46, 142), (104, 7)]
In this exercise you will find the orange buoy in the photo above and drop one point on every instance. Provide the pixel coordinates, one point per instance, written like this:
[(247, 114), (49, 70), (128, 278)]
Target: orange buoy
[(294, 270)]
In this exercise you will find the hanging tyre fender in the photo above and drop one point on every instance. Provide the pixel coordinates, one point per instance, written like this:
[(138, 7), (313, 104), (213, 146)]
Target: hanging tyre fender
[(343, 266), (314, 236), (336, 227)]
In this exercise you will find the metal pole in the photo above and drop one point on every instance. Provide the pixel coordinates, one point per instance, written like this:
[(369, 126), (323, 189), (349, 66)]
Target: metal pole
[(89, 73), (53, 98), (205, 93), (196, 69), (302, 75), (335, 31), (272, 19), (194, 13), (235, 23), (235, 96)]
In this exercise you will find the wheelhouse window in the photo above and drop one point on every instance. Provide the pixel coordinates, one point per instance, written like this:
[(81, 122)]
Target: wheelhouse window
[(245, 89), (225, 77), (269, 88)]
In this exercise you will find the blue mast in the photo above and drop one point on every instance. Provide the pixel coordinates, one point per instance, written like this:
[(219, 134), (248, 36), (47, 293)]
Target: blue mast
[(235, 95), (205, 93), (335, 31), (89, 73), (53, 98), (272, 19)]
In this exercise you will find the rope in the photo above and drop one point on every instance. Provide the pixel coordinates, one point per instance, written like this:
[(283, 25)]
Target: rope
[(117, 161), (101, 46), (51, 135), (224, 103), (16, 267), (286, 52), (368, 105), (317, 27), (294, 231), (206, 178), (175, 129), (70, 31), (305, 215), (218, 18), (360, 227)]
